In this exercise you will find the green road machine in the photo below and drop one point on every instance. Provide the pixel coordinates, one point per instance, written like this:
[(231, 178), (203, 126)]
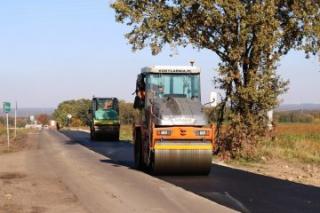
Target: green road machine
[(104, 116)]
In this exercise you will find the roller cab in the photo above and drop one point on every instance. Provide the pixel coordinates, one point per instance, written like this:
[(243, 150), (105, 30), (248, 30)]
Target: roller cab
[(172, 135), (104, 123)]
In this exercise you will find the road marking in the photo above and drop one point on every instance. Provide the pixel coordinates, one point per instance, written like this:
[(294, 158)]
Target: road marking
[(239, 204)]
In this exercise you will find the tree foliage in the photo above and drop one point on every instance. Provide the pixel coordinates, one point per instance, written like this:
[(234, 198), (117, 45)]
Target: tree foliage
[(248, 36), (43, 119), (127, 113), (77, 108)]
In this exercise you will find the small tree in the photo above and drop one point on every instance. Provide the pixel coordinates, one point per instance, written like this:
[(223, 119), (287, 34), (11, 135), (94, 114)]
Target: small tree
[(43, 119), (248, 36)]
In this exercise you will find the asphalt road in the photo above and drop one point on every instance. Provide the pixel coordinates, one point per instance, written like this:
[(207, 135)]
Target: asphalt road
[(103, 184), (236, 189)]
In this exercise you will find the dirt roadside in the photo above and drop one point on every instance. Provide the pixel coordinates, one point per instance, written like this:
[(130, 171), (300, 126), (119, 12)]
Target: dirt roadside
[(17, 144), (29, 186)]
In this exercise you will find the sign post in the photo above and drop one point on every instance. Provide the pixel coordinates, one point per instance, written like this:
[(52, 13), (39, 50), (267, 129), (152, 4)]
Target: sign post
[(32, 119), (15, 120), (7, 109), (69, 116)]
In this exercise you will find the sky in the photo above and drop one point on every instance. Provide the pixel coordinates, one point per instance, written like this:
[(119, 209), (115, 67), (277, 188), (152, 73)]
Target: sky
[(56, 50)]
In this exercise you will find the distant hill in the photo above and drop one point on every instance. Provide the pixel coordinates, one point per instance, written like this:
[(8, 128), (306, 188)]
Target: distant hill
[(291, 107), (26, 112)]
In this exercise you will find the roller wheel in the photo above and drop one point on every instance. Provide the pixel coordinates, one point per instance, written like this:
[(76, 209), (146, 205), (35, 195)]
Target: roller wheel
[(116, 136), (92, 135), (138, 158)]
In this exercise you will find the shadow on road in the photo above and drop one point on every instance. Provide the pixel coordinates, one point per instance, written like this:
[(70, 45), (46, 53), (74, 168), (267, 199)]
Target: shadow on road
[(239, 190), (119, 152)]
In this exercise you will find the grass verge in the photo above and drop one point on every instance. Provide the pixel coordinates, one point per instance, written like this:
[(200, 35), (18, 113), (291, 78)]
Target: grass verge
[(16, 144), (294, 143), (293, 155), (126, 133)]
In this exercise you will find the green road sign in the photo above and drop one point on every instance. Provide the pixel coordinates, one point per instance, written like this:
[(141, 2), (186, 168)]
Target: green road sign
[(6, 107)]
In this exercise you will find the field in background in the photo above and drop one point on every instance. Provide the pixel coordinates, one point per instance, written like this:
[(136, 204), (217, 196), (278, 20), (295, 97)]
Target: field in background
[(293, 143)]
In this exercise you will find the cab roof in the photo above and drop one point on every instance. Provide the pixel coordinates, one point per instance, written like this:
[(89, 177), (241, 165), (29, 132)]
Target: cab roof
[(170, 69)]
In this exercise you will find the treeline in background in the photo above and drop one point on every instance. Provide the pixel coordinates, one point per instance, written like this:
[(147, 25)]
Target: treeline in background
[(79, 111), (298, 116), (291, 116)]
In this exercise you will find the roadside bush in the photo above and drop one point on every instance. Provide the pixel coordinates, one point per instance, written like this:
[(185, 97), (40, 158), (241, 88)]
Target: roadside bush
[(127, 113), (76, 122), (21, 121)]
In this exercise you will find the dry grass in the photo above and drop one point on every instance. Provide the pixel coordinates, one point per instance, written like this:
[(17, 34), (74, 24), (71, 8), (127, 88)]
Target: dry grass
[(126, 132), (294, 155), (17, 143), (3, 132), (294, 143)]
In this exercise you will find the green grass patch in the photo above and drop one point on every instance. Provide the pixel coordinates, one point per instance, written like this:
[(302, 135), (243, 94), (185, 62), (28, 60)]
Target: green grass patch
[(294, 142)]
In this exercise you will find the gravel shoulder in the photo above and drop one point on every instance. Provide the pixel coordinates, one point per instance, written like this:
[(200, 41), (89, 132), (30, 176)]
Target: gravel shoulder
[(28, 185), (303, 173)]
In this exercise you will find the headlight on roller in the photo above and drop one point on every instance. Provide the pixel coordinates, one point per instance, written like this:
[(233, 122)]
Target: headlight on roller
[(164, 132), (202, 132)]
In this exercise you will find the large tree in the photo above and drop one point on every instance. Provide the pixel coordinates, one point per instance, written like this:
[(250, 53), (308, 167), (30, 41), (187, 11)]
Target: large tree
[(248, 36)]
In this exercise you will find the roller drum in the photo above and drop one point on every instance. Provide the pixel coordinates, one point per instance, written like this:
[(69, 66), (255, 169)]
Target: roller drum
[(192, 159)]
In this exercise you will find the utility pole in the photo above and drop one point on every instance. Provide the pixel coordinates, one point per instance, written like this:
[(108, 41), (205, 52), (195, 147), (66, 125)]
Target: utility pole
[(69, 116), (8, 131), (15, 120)]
